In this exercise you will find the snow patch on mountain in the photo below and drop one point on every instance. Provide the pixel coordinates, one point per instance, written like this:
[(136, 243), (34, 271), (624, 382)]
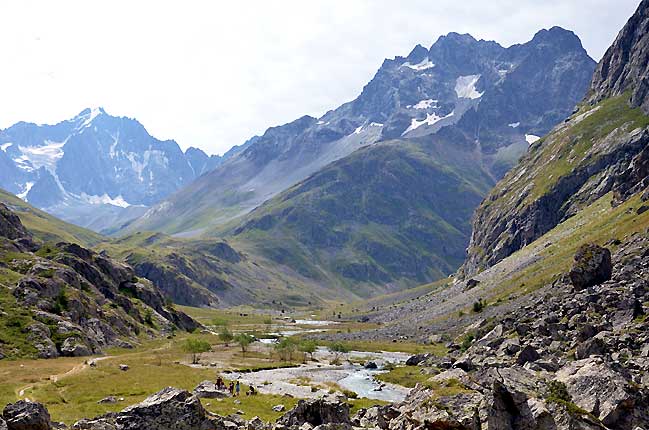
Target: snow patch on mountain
[(514, 124), (136, 165), (111, 151), (422, 65), (425, 104), (430, 119), (531, 138), (46, 155), (105, 199), (465, 87), (27, 187)]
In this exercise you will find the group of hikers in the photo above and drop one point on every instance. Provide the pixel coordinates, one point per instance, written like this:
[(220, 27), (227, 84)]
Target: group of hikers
[(234, 388)]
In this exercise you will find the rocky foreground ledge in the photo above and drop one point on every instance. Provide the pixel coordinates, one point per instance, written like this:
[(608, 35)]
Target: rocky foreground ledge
[(500, 404)]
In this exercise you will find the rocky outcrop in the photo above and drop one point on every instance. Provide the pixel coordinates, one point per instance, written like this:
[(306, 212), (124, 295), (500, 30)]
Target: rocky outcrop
[(24, 415), (79, 301), (604, 144), (169, 409), (602, 391), (168, 277), (10, 225), (317, 412)]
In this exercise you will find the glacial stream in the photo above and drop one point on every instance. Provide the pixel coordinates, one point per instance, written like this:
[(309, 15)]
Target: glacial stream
[(300, 381)]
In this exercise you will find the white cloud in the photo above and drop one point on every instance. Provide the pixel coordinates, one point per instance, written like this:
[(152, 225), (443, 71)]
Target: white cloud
[(211, 74)]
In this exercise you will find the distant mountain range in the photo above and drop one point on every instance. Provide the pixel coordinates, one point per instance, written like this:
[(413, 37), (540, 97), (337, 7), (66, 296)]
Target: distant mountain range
[(378, 194), (95, 169), (373, 196), (498, 100)]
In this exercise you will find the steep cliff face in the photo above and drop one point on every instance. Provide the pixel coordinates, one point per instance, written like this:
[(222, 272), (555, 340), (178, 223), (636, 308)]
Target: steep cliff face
[(625, 65), (601, 148)]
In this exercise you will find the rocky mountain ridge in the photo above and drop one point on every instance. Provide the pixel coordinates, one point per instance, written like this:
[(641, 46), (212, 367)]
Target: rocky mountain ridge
[(498, 97), (439, 126), (95, 166), (624, 65), (601, 148)]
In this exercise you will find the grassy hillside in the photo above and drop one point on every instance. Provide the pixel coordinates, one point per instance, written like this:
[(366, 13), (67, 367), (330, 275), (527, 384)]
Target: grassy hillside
[(522, 278), (388, 216), (597, 150), (217, 272), (47, 228)]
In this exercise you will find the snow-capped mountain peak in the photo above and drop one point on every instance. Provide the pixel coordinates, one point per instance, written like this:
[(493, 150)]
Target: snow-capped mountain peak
[(94, 160)]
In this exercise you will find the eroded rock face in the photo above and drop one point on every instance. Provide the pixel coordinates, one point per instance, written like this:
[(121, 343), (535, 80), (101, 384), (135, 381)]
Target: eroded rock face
[(10, 225), (80, 301), (592, 266), (24, 415), (169, 409), (317, 412), (597, 388), (624, 64)]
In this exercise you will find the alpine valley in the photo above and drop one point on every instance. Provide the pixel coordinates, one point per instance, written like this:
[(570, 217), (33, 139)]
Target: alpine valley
[(465, 245), (377, 195)]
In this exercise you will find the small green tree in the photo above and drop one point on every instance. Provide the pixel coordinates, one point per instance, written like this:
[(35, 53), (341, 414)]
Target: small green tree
[(338, 349), (307, 346), (285, 348), (148, 318), (60, 302), (195, 347), (243, 339), (225, 335)]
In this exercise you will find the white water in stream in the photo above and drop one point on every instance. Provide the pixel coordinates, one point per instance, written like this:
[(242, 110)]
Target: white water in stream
[(298, 381)]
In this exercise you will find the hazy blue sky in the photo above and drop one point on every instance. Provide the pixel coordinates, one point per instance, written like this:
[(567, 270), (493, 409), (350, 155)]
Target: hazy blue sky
[(213, 73)]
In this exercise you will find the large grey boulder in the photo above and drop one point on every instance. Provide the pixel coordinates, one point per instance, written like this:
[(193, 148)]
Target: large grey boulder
[(592, 266), (423, 409), (327, 410), (598, 389), (375, 417), (169, 409), (73, 347), (416, 359), (24, 415), (594, 346)]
